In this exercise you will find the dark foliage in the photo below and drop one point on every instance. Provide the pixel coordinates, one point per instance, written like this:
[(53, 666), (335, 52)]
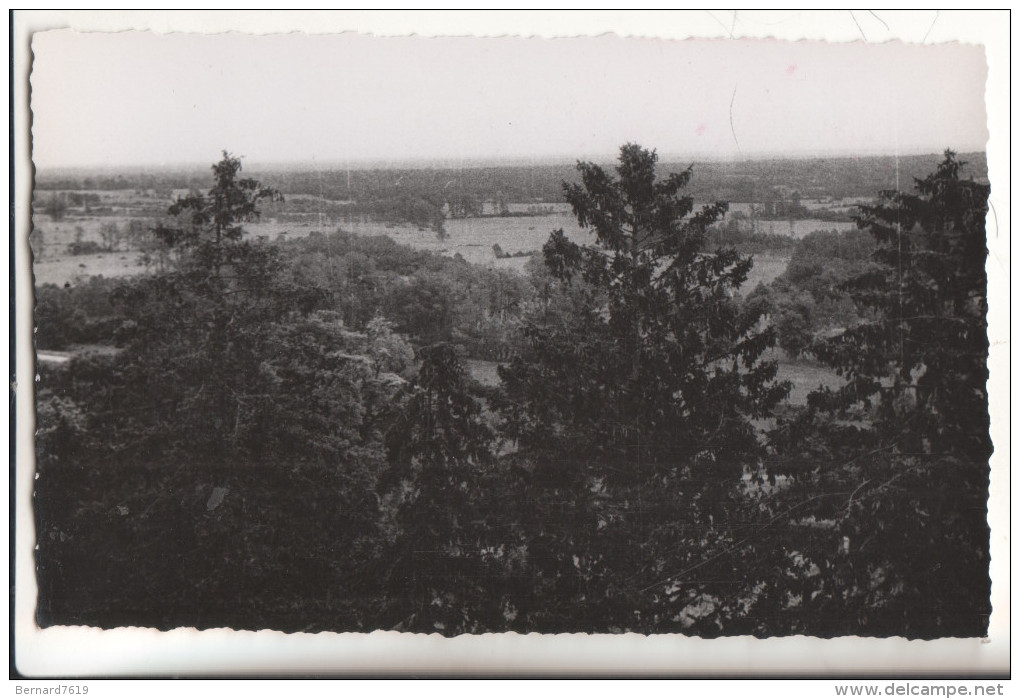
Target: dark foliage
[(633, 413), (438, 449), (898, 457), (258, 445), (809, 300), (231, 446), (630, 375), (74, 315)]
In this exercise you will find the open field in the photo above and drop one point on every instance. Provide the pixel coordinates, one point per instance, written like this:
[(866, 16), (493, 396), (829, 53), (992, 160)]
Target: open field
[(766, 268), (50, 236), (53, 263), (471, 238), (802, 227), (483, 371), (805, 375), (68, 269)]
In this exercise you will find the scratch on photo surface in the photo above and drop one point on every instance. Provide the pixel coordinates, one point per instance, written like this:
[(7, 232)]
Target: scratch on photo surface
[(932, 26), (858, 24), (732, 129)]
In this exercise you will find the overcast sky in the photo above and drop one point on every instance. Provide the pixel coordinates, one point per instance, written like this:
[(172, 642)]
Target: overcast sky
[(137, 99)]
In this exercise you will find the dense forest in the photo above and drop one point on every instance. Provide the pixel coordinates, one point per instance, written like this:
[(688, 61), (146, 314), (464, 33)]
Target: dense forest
[(289, 435)]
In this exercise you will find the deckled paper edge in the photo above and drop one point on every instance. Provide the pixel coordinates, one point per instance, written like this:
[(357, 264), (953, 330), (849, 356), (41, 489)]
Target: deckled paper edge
[(64, 651)]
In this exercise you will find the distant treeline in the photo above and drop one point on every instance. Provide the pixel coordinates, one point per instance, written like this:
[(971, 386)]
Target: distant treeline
[(748, 180), (838, 178), (426, 197)]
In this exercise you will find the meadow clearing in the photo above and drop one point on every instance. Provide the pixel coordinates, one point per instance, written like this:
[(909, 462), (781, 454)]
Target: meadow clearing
[(472, 238)]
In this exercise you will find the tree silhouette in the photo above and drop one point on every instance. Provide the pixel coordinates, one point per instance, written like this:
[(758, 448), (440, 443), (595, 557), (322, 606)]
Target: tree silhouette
[(897, 458), (923, 360), (632, 406), (437, 448), (662, 367), (210, 225)]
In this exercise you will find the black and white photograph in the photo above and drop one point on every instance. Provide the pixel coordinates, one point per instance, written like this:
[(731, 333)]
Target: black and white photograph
[(430, 336)]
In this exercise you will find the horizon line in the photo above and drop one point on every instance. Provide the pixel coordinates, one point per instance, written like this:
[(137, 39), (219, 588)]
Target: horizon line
[(448, 162)]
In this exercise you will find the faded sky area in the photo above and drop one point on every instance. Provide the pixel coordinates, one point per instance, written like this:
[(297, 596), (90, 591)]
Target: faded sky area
[(146, 99)]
